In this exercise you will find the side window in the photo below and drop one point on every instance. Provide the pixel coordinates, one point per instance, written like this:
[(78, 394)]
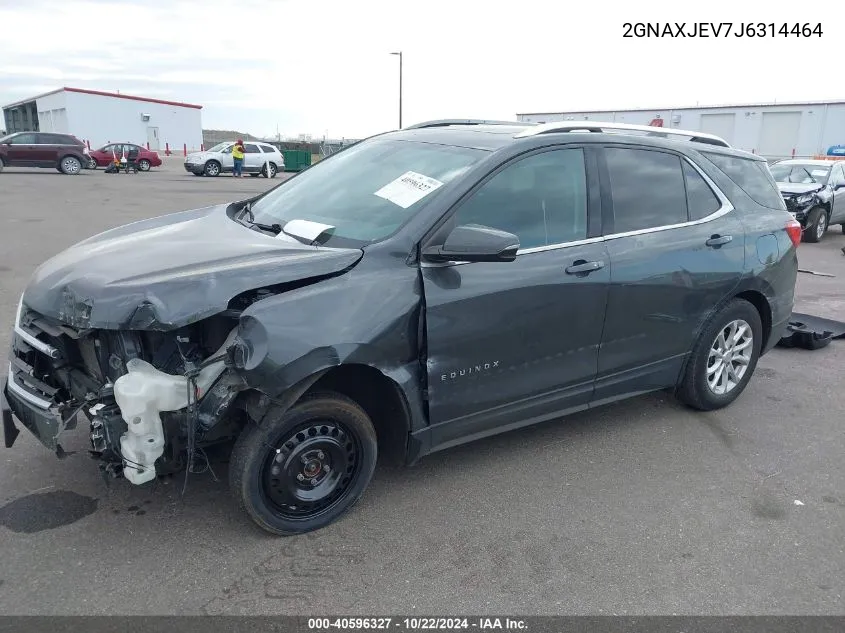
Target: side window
[(700, 197), (752, 176), (542, 199), (23, 139), (251, 148), (267, 149), (647, 188)]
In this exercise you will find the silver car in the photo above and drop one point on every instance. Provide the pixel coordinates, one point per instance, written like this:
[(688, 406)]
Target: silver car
[(258, 158)]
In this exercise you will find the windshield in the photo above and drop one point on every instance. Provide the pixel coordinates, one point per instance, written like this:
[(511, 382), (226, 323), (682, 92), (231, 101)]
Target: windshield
[(3, 139), (368, 190), (219, 147), (800, 173)]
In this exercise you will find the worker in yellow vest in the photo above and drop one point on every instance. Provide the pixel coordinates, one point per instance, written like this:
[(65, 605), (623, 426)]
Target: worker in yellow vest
[(238, 158)]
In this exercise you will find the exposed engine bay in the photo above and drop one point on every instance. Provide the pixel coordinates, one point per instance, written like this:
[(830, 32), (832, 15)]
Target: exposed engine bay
[(153, 400)]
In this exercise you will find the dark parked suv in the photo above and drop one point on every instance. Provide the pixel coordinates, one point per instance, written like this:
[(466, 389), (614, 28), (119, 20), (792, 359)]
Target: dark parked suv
[(63, 152), (420, 289)]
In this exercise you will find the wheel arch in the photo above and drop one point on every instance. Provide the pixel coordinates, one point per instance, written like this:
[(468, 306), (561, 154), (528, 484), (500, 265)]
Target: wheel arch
[(761, 303), (381, 397)]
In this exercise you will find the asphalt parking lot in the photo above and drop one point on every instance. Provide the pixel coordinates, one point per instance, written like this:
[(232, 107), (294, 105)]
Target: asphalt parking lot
[(639, 508)]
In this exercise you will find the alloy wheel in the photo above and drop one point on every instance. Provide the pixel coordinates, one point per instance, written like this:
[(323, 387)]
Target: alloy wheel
[(71, 165), (821, 226), (730, 356)]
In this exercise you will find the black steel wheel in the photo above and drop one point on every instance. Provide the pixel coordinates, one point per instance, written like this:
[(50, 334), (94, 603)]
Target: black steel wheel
[(302, 469)]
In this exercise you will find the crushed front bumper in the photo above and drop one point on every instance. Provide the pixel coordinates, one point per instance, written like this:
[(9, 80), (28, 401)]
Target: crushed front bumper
[(45, 424)]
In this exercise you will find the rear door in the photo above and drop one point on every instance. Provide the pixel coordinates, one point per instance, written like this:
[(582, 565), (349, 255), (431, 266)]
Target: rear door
[(48, 147), (511, 342), (677, 248), (253, 161)]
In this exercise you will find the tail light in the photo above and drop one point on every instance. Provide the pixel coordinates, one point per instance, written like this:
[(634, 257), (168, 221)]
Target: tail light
[(793, 228)]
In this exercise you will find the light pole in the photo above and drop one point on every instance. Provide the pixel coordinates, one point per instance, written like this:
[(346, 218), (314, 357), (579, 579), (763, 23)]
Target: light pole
[(400, 87)]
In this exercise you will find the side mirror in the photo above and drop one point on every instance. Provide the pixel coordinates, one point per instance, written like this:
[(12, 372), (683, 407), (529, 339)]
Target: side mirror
[(475, 243)]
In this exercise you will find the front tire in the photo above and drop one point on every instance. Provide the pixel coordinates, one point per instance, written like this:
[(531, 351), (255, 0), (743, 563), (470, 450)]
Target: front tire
[(301, 470), (92, 163), (212, 168), (816, 225), (70, 165), (2, 164), (724, 357)]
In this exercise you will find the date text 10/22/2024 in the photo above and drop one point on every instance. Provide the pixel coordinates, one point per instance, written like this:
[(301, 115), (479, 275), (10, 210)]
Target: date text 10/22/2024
[(416, 623), (720, 29)]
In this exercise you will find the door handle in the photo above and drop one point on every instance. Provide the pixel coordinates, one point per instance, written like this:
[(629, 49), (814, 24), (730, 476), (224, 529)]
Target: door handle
[(718, 240), (583, 267)]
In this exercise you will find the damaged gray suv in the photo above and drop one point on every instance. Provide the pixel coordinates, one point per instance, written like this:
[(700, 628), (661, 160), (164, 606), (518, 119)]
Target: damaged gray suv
[(420, 289)]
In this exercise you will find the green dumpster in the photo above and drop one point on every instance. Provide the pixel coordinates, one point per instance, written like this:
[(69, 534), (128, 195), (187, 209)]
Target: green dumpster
[(296, 160)]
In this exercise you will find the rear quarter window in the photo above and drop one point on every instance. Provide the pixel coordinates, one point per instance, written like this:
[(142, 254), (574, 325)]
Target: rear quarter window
[(752, 176)]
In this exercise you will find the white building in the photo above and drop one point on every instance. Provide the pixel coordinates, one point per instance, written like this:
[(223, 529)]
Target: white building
[(103, 117), (772, 130)]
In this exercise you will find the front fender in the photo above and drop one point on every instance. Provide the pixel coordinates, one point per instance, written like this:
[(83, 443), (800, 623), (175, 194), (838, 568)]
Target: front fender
[(367, 317)]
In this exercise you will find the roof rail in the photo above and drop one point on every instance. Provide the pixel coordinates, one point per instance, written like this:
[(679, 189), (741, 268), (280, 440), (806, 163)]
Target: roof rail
[(447, 122), (601, 126)]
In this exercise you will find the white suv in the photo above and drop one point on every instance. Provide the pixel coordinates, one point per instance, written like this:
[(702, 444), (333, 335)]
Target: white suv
[(218, 160)]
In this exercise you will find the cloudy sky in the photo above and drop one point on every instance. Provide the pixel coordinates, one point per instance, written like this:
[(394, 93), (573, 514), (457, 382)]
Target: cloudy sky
[(324, 66)]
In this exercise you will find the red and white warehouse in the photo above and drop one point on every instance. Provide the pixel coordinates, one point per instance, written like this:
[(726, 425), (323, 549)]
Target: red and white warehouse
[(102, 117)]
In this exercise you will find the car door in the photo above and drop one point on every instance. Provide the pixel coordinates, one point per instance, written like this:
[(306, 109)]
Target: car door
[(514, 342), (676, 250), (837, 185), (253, 161), (22, 150), (227, 163)]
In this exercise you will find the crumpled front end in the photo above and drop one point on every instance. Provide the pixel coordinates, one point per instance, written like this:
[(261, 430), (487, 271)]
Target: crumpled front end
[(152, 399)]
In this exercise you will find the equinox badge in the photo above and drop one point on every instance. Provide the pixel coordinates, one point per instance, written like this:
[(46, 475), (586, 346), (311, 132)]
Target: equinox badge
[(460, 373)]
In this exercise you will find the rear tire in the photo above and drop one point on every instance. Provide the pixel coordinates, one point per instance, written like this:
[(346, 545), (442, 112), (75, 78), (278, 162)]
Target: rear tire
[(273, 170), (714, 377), (2, 164), (816, 225), (303, 469), (70, 165), (144, 165), (841, 226)]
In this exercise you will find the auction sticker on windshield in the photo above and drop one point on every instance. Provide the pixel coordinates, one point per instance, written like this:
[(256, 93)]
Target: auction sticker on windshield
[(409, 188)]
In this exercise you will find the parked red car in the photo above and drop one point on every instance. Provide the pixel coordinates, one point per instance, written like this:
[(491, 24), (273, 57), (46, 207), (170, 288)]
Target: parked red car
[(106, 154)]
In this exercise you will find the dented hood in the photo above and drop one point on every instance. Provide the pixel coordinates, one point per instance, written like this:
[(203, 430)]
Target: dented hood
[(169, 271)]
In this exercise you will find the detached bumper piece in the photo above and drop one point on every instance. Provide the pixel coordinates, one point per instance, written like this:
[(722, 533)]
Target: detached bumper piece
[(10, 431), (811, 332)]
